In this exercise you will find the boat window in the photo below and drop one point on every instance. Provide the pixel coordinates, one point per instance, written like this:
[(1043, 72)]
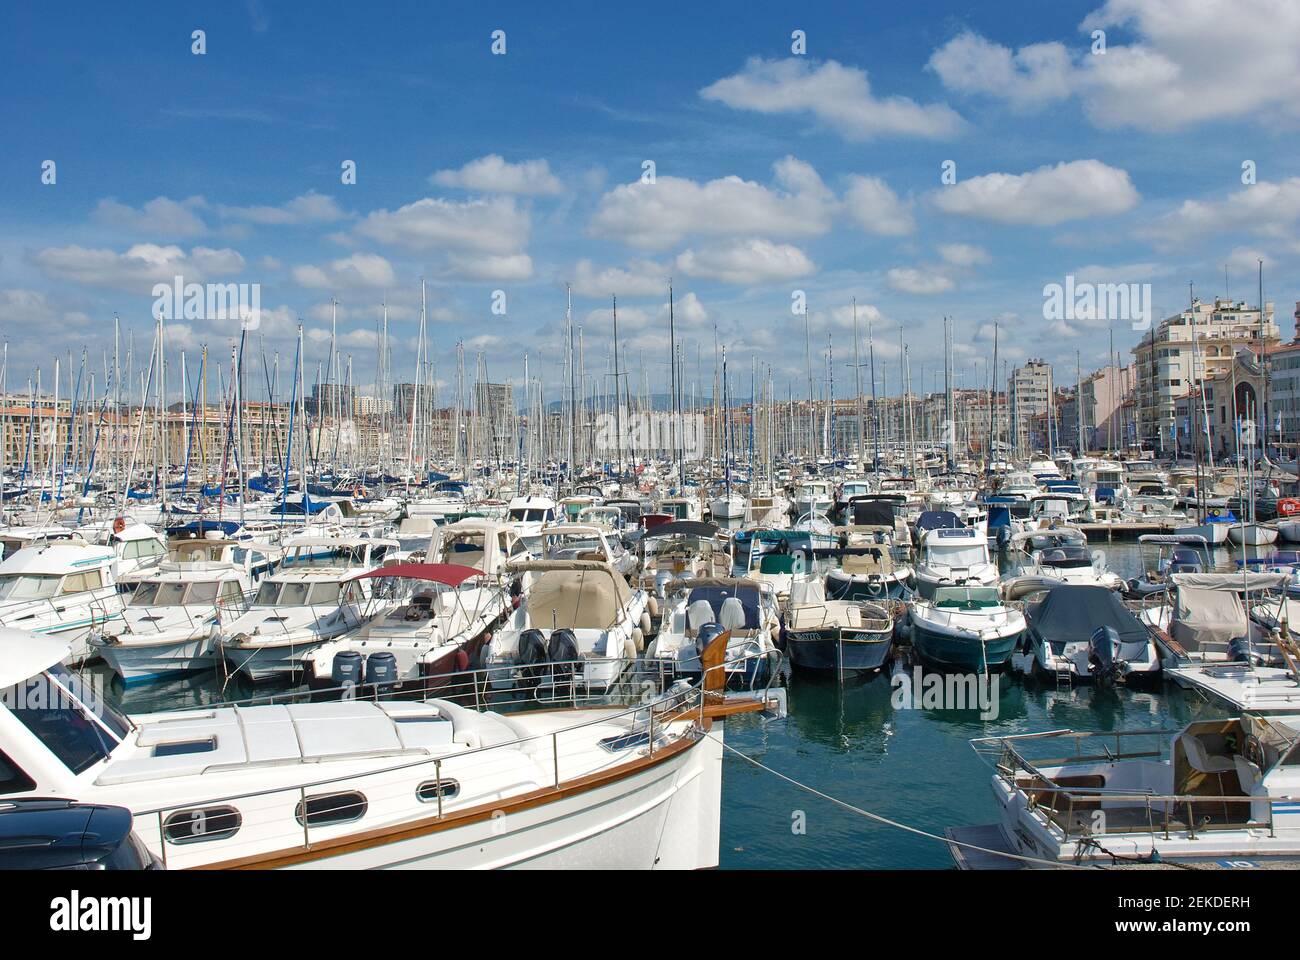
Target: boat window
[(205, 592), (170, 594), (331, 808), (230, 589), (27, 587), (144, 594), (12, 778), (267, 593), (428, 791), (81, 582), (197, 826), (138, 549), (324, 593), (294, 594), (59, 722)]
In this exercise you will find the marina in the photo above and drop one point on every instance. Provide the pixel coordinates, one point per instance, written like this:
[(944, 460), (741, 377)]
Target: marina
[(746, 441)]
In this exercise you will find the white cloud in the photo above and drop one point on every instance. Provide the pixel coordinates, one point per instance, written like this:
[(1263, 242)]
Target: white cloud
[(838, 95), (1031, 77), (139, 267), (493, 174), (1048, 195), (912, 280), (641, 278), (160, 217), (510, 266), (309, 208), (1268, 208), (495, 225), (358, 270), (747, 262), (876, 208), (687, 311), (963, 254), (1190, 62), (656, 215)]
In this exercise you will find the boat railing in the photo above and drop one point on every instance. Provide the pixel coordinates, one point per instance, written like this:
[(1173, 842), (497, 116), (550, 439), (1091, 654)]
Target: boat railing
[(278, 820)]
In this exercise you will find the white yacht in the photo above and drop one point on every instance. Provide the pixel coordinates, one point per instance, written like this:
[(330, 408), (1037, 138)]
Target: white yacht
[(954, 557), (1219, 791), (171, 619), (424, 621), (579, 625), (576, 541), (62, 588), (813, 497), (312, 598), (700, 609), (528, 515), (351, 784)]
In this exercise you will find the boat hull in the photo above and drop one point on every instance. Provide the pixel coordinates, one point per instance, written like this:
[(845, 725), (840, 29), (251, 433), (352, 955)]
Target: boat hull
[(839, 650), (961, 652), (663, 817)]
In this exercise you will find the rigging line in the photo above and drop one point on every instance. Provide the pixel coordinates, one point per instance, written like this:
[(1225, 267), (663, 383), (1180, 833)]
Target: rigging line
[(894, 823)]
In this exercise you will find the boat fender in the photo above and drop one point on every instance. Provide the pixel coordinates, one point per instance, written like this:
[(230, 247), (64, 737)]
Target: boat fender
[(462, 661), (652, 605), (645, 623), (638, 639)]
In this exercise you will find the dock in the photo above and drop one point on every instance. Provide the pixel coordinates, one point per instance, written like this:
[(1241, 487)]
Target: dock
[(1126, 529)]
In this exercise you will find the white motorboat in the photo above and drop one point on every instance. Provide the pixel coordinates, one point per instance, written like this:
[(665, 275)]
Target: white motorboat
[(579, 622), (1082, 631), (312, 598), (1220, 790), (576, 541), (422, 622), (62, 588), (813, 497), (700, 609), (352, 784), (965, 627), (528, 515), (954, 557), (171, 619)]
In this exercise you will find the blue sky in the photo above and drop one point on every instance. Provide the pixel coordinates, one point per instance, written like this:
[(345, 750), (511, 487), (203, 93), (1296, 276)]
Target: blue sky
[(520, 172)]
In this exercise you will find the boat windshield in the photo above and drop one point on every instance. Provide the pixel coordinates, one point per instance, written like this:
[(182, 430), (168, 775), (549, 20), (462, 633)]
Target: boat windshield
[(80, 733), (535, 515), (297, 593), (173, 593), (954, 555), (25, 586)]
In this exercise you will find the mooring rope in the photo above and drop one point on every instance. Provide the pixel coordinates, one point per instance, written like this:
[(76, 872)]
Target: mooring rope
[(896, 824)]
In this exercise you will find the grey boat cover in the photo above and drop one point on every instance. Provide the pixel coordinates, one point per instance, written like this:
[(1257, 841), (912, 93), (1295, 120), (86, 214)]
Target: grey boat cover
[(1072, 612), (1207, 615)]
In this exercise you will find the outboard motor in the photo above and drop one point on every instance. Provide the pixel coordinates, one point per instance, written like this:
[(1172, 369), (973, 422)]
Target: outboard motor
[(1238, 650), (706, 635), (662, 579), (562, 651), (531, 653), (381, 667), (1103, 654), (347, 669)]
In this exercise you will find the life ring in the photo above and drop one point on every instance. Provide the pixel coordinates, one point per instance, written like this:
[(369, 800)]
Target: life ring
[(1288, 506), (119, 524)]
